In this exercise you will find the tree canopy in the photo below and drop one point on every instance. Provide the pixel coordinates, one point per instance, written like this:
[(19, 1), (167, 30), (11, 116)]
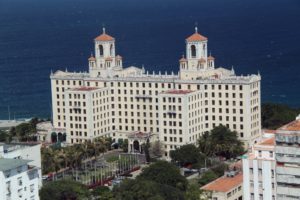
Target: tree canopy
[(138, 189), (187, 154), (67, 190), (276, 115), (221, 142), (164, 173)]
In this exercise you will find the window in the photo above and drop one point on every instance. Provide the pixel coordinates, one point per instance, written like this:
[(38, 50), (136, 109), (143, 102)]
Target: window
[(101, 50), (193, 51)]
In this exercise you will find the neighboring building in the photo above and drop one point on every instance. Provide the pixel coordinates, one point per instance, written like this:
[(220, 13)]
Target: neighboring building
[(259, 170), (44, 130), (18, 180), (113, 101), (227, 187), (27, 151), (288, 161)]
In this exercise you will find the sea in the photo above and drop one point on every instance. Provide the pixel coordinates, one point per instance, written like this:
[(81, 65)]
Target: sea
[(40, 36)]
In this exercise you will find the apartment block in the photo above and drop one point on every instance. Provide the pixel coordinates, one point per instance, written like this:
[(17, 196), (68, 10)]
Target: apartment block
[(288, 161), (18, 180), (259, 180)]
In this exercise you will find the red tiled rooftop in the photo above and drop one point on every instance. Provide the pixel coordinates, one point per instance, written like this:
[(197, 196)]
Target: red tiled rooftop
[(292, 126), (224, 183), (196, 37), (210, 58), (178, 92), (92, 58), (269, 131), (85, 88), (104, 37), (268, 142)]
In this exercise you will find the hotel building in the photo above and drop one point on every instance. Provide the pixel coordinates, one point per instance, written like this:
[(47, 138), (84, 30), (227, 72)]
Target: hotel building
[(110, 100)]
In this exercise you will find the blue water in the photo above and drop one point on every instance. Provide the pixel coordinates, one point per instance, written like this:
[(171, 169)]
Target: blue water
[(37, 36)]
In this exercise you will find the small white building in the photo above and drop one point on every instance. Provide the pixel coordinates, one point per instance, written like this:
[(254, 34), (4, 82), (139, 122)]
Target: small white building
[(18, 180), (27, 151), (227, 187)]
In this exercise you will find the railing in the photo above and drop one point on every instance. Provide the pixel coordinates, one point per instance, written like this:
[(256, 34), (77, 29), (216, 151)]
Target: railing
[(287, 179)]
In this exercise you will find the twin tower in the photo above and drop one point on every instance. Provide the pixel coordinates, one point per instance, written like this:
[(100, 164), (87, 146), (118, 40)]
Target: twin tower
[(106, 63)]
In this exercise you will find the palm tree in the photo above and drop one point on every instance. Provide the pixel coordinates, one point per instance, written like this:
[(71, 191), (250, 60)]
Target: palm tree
[(47, 160)]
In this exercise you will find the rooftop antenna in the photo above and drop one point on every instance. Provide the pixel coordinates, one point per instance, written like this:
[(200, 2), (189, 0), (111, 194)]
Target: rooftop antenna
[(196, 27), (8, 108), (103, 28)]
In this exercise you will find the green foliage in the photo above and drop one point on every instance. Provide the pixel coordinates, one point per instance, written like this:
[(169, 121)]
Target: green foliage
[(207, 177), (125, 146), (276, 115), (147, 190), (221, 142), (102, 193), (219, 169), (187, 154), (156, 149), (4, 136), (164, 173), (108, 143), (59, 190), (147, 151), (55, 158), (112, 159), (193, 192)]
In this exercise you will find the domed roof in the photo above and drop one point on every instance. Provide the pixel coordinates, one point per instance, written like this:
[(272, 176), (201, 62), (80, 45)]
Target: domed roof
[(210, 58), (202, 60), (92, 58), (104, 37), (196, 37), (183, 59)]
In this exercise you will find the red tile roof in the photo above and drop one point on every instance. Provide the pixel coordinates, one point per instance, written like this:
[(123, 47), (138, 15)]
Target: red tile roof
[(210, 58), (224, 183), (268, 142), (196, 37), (292, 126), (92, 58), (183, 59), (104, 37), (202, 60)]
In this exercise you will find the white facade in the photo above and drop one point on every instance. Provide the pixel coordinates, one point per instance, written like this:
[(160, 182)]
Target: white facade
[(134, 97), (288, 161), (30, 152), (18, 180), (259, 181)]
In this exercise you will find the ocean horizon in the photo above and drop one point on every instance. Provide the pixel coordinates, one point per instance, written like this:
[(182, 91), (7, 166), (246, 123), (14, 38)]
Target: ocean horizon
[(37, 37)]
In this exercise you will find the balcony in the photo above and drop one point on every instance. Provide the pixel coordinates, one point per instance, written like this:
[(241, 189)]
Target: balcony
[(171, 112), (288, 171), (289, 191), (143, 96), (286, 159), (287, 150), (288, 179)]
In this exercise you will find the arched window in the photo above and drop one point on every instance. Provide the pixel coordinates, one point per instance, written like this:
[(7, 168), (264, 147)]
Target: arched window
[(101, 50), (111, 50), (193, 51)]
